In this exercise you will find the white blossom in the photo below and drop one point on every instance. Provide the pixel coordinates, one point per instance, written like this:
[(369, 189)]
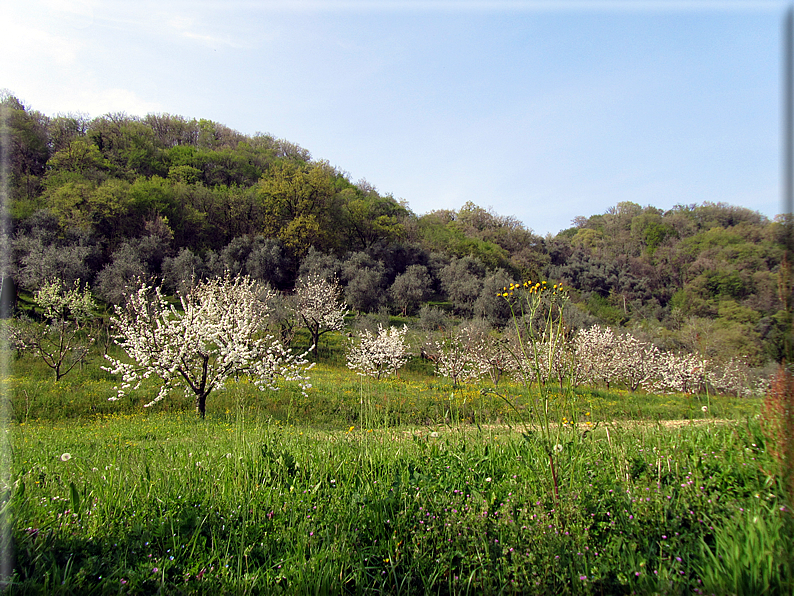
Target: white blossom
[(319, 304), (60, 341), (596, 348), (216, 335), (681, 373), (489, 353), (454, 356), (379, 354), (730, 377), (602, 355)]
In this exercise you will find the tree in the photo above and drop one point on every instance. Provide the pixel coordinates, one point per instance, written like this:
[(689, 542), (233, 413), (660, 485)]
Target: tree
[(597, 356), (42, 254), (319, 306), (218, 334), (489, 352), (117, 277), (365, 278), (27, 151), (325, 265), (60, 341), (462, 281), (411, 288), (489, 307), (454, 356), (181, 272), (681, 373), (378, 354)]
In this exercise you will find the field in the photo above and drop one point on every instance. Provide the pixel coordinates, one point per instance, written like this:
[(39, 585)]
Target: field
[(404, 486)]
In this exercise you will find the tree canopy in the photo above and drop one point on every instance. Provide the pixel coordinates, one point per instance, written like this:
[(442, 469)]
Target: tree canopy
[(110, 199)]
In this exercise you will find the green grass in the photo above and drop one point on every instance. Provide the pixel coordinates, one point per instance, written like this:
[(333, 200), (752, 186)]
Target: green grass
[(237, 505), (402, 486), (416, 398)]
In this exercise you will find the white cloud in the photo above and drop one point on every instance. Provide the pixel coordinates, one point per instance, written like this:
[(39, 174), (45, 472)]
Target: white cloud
[(97, 102), (28, 45), (186, 27), (74, 13)]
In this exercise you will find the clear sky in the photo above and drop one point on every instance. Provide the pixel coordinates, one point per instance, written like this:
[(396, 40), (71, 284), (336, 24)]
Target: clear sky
[(544, 110)]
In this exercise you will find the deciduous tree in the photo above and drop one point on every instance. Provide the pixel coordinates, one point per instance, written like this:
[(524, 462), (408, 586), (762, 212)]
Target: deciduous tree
[(218, 334), (60, 340), (319, 305), (378, 354)]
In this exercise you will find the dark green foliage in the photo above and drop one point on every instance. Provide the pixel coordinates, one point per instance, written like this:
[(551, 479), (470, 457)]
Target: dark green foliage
[(496, 312), (261, 205), (365, 279), (462, 281)]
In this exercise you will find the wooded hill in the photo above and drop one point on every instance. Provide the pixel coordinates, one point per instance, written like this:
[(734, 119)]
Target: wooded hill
[(108, 199)]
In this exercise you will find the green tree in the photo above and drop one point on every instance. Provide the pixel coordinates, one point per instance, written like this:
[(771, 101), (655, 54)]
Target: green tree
[(411, 288), (28, 147)]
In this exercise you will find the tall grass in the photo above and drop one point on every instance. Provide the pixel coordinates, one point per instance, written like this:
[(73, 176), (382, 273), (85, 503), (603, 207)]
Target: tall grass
[(242, 504), (400, 486)]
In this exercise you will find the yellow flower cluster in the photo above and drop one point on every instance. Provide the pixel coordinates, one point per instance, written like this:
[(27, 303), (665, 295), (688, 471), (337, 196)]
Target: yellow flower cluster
[(534, 288)]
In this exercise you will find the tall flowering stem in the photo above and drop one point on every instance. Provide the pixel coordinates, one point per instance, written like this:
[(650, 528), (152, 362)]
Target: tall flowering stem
[(218, 333), (537, 313)]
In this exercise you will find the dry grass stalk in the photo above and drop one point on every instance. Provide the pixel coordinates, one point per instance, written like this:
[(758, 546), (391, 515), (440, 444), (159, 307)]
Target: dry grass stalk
[(777, 424)]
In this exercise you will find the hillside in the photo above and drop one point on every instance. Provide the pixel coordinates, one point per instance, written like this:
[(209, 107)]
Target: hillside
[(116, 197)]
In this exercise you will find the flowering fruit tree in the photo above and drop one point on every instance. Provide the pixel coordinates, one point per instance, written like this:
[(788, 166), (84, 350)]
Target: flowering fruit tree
[(218, 333)]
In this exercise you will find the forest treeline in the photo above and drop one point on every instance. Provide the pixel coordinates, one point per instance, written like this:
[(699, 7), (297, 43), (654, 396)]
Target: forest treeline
[(110, 199)]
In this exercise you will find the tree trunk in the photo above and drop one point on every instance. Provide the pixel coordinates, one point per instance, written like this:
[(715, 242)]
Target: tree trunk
[(201, 404)]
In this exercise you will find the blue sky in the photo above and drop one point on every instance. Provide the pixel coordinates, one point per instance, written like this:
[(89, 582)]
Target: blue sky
[(541, 110)]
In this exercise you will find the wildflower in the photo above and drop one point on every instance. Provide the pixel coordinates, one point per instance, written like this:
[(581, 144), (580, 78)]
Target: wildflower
[(705, 408), (488, 479), (558, 448), (66, 456), (350, 430), (434, 435)]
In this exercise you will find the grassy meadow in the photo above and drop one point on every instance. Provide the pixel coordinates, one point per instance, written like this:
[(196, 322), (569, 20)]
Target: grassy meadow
[(399, 486)]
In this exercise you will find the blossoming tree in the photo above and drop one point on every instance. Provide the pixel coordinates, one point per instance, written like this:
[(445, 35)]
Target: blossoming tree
[(217, 334), (61, 341), (378, 355), (318, 303), (454, 356)]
